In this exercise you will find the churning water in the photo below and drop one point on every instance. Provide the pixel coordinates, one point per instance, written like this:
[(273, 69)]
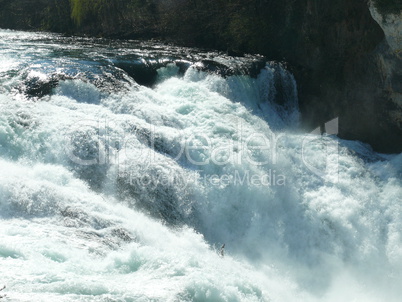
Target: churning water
[(125, 166)]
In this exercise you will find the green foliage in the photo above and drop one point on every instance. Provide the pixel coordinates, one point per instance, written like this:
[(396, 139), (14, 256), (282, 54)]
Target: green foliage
[(388, 6), (53, 15), (114, 17), (57, 16), (81, 9), (77, 10)]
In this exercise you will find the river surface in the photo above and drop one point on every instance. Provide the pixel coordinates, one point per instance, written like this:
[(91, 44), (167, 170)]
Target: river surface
[(125, 166)]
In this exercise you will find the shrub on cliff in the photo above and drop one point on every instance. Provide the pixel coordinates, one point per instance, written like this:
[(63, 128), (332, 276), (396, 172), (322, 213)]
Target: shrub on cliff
[(114, 18), (50, 15)]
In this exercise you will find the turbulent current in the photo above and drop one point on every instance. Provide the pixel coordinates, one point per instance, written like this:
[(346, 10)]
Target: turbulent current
[(126, 166)]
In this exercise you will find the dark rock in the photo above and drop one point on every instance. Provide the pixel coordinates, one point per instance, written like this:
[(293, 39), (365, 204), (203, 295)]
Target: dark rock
[(143, 73), (338, 65), (215, 67), (36, 88), (183, 65), (225, 67)]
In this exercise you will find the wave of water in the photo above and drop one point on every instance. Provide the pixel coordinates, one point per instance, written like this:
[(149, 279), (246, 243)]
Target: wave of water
[(113, 191)]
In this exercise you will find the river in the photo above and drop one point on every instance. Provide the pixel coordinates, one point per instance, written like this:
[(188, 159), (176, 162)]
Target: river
[(125, 166)]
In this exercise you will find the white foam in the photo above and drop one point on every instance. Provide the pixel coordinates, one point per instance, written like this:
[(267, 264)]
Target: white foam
[(129, 196)]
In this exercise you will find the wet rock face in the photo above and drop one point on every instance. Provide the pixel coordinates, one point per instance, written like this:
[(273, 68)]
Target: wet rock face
[(391, 24), (376, 91), (389, 60), (375, 116), (345, 68)]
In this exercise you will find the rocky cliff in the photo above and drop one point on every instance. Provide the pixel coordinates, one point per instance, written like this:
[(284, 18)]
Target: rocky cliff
[(389, 59), (346, 68)]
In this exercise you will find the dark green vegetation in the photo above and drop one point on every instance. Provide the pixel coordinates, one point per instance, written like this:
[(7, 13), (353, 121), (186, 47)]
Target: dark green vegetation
[(334, 47), (121, 18), (52, 15)]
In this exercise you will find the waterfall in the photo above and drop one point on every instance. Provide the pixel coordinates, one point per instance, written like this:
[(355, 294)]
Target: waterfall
[(114, 189)]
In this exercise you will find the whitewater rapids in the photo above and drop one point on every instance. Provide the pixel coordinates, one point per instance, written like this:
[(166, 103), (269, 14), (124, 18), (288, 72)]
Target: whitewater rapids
[(115, 191)]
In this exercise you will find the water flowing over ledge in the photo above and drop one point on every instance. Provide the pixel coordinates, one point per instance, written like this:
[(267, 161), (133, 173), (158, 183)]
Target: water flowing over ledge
[(125, 167)]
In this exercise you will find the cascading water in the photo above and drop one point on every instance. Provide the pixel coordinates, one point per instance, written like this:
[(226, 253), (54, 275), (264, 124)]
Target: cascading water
[(115, 191)]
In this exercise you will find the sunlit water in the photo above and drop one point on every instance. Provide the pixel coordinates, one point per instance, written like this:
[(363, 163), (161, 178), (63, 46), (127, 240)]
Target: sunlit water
[(115, 191)]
